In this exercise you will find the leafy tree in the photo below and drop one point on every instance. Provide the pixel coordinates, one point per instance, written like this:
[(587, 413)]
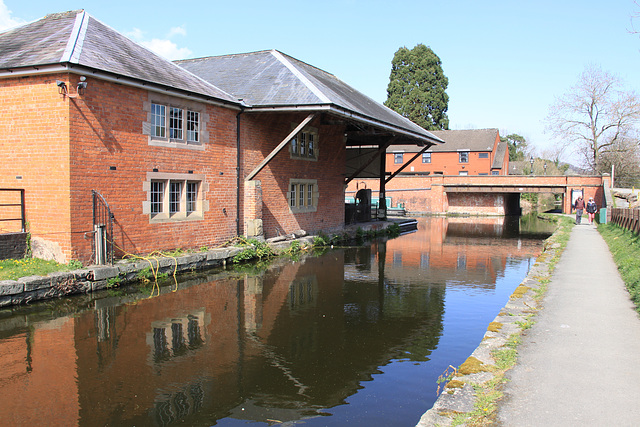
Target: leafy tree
[(517, 146), (417, 87), (594, 116)]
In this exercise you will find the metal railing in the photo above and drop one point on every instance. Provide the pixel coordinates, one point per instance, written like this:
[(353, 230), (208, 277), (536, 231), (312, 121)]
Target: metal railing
[(102, 229), (626, 218), (22, 218)]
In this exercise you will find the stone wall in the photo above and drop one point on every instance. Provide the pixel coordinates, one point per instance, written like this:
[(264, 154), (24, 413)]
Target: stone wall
[(34, 288)]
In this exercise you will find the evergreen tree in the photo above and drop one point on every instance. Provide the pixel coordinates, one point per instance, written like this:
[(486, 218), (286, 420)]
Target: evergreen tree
[(417, 87), (517, 146)]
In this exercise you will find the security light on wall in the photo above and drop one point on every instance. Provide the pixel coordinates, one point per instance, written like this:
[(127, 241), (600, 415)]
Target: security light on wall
[(82, 85), (62, 87)]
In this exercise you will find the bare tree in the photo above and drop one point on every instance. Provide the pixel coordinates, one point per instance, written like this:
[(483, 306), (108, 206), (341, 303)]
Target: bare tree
[(594, 115), (624, 156), (634, 16)]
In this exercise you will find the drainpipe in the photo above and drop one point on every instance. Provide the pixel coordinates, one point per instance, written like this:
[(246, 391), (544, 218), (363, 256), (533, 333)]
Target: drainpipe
[(238, 180)]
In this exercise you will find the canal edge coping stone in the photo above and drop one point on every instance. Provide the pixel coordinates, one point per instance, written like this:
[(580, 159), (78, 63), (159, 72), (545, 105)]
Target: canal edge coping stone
[(98, 277), (512, 319)]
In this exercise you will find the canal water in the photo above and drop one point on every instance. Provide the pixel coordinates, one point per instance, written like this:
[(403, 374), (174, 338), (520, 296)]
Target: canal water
[(355, 336)]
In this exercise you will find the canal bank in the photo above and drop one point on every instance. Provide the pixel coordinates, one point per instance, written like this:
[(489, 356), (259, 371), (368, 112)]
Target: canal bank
[(575, 354), (144, 268), (356, 335), (472, 390)]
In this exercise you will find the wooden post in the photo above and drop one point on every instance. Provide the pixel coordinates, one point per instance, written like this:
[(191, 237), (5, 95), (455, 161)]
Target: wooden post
[(382, 202)]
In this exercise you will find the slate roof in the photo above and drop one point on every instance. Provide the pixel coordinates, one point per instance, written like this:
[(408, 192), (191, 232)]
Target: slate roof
[(500, 154), (469, 139), (77, 42), (271, 79), (77, 39)]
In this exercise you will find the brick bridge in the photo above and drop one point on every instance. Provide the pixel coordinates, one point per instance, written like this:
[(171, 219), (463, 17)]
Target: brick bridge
[(481, 194)]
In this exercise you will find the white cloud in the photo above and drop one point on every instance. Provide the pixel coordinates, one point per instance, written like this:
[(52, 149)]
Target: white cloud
[(6, 21), (180, 31), (163, 47), (166, 49), (136, 34)]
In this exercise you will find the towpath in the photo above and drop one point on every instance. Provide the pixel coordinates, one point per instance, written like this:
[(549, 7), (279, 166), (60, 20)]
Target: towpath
[(579, 364)]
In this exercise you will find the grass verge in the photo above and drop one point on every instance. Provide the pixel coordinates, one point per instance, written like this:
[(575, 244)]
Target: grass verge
[(625, 248), (13, 269)]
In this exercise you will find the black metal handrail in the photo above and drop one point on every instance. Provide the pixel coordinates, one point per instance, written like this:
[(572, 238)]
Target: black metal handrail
[(22, 219), (102, 223)]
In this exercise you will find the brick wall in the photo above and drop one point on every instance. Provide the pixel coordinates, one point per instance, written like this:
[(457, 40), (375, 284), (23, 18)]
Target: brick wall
[(447, 163), (60, 148), (34, 154), (260, 134), (427, 194), (111, 154)]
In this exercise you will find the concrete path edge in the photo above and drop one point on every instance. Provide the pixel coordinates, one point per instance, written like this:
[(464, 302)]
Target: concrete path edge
[(458, 397)]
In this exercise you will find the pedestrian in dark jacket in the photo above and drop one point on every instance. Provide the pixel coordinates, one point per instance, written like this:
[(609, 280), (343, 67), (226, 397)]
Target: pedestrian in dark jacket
[(592, 208), (579, 209)]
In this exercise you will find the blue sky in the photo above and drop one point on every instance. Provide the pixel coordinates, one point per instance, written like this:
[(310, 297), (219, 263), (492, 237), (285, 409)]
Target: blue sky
[(506, 60)]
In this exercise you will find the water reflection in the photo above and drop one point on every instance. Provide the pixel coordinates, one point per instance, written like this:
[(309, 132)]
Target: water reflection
[(296, 342)]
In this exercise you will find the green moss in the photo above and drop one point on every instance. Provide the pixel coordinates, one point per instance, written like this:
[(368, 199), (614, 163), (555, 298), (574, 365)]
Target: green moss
[(494, 326), (472, 366), (520, 291), (455, 384)]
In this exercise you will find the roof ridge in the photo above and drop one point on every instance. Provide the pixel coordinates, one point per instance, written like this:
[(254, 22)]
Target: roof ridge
[(313, 88), (171, 63), (76, 38), (227, 55)]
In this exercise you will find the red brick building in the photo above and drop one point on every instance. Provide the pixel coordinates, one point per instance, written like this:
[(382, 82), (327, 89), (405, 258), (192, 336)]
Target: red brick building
[(244, 144), (465, 152)]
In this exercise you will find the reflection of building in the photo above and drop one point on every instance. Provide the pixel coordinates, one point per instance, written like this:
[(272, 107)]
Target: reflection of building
[(38, 381), (451, 252), (293, 341), (176, 336), (286, 344)]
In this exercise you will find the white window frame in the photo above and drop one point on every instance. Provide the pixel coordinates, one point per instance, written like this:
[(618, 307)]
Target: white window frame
[(463, 156), (158, 121), (156, 197), (303, 195), (191, 192), (426, 157), (169, 197), (175, 123), (193, 126), (398, 158), (304, 145)]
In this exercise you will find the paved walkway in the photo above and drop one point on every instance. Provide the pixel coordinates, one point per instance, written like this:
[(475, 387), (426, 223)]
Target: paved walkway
[(579, 365)]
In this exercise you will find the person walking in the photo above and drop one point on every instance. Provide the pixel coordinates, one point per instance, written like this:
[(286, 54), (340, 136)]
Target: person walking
[(579, 209), (591, 209)]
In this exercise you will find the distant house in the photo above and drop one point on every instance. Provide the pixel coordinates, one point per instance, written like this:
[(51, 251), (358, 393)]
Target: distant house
[(465, 152), (178, 155)]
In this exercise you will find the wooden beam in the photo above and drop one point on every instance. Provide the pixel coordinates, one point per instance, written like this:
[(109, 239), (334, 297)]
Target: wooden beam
[(280, 146), (393, 175), (375, 156)]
